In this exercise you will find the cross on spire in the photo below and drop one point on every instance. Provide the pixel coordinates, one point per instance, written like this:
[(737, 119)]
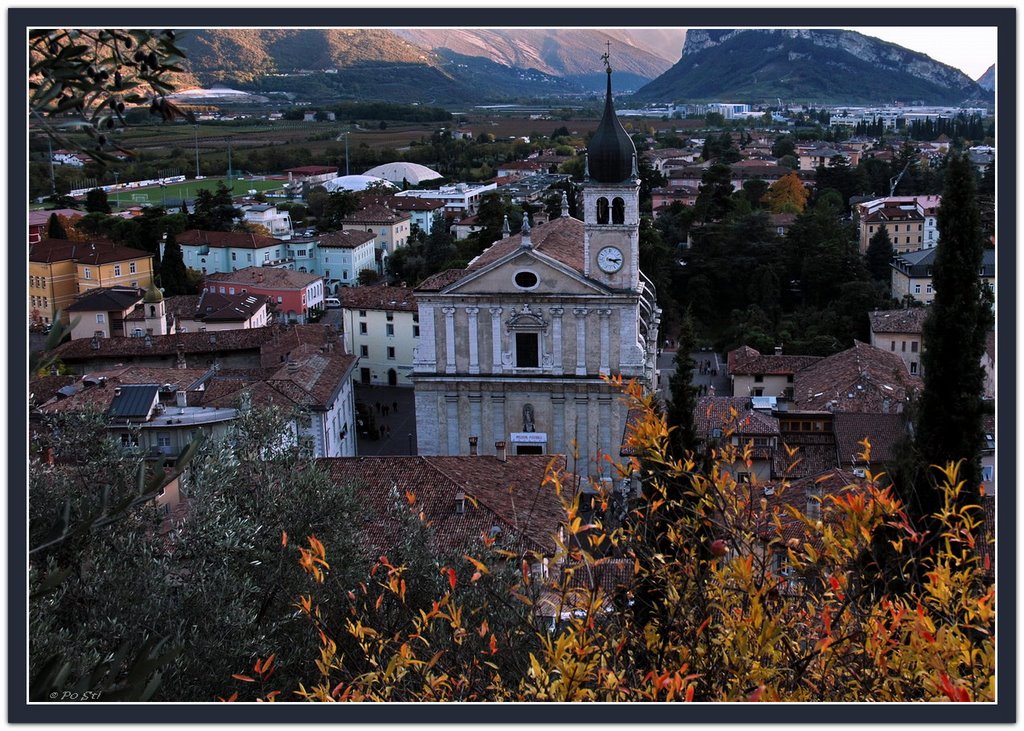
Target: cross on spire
[(606, 55)]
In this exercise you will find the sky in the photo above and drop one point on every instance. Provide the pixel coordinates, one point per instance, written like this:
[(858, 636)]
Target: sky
[(972, 49)]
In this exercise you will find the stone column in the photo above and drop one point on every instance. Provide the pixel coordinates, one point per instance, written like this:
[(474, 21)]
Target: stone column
[(449, 338), (583, 440), (581, 340), (498, 417), (604, 408), (495, 340), (604, 314), (452, 417), (558, 442), (556, 338), (474, 354)]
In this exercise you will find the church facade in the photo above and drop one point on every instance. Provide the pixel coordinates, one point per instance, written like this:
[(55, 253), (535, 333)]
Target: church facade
[(515, 347)]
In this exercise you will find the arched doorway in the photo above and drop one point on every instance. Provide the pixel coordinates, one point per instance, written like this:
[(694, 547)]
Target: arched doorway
[(392, 377)]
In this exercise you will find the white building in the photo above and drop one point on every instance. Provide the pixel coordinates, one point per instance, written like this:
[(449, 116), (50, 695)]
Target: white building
[(278, 223), (381, 328)]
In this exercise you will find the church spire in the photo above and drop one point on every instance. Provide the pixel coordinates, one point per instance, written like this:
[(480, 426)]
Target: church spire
[(611, 152)]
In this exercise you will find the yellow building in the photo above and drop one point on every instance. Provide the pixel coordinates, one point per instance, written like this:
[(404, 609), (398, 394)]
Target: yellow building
[(61, 270)]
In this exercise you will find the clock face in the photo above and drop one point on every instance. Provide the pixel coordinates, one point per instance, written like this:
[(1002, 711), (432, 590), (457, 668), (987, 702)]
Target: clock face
[(609, 259)]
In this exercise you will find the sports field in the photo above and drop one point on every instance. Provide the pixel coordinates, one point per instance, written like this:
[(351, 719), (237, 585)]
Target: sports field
[(174, 193)]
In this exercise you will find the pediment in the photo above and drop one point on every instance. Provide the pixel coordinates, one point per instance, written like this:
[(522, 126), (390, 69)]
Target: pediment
[(552, 277)]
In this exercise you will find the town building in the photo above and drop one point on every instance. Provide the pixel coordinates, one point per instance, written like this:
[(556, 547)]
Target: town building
[(425, 213), (292, 294), (382, 328), (59, 270), (461, 199), (900, 332), (391, 228), (912, 274), (340, 256), (211, 252), (277, 223), (517, 348), (754, 374), (870, 215)]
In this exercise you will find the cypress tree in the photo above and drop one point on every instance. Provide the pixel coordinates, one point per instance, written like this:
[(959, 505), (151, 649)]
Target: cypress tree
[(879, 255), (173, 274), (949, 421), (55, 228)]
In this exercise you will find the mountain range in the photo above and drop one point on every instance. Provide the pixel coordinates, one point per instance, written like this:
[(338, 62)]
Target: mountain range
[(462, 65), (822, 66)]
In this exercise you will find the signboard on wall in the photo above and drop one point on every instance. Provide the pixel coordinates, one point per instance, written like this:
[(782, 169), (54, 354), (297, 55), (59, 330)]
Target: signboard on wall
[(529, 437)]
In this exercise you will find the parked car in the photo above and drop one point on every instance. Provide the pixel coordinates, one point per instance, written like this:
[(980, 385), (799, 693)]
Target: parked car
[(332, 303)]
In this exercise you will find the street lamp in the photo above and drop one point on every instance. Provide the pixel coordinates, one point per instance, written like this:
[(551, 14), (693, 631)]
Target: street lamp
[(117, 189), (195, 130)]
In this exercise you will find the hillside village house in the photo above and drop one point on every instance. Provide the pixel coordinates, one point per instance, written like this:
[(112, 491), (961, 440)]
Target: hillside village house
[(754, 374), (211, 252), (341, 255), (391, 228), (292, 294), (60, 270), (514, 346), (912, 274), (381, 327)]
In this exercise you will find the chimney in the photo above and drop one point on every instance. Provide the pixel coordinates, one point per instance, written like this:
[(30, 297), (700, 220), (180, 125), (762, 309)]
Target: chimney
[(117, 391), (499, 449), (460, 502), (293, 366), (472, 446), (778, 350), (181, 399)]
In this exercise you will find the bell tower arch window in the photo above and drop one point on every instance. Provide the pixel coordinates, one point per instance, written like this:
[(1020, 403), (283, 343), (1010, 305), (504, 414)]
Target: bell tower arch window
[(618, 211), (602, 210)]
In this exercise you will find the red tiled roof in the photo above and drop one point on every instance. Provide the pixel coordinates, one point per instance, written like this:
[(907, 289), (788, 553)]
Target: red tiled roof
[(375, 214), (437, 282), (403, 202), (84, 252), (509, 495), (882, 431), (312, 170), (378, 297), (863, 379), (99, 398), (910, 320), (560, 238), (773, 365), (264, 277), (225, 239), (731, 414), (345, 239)]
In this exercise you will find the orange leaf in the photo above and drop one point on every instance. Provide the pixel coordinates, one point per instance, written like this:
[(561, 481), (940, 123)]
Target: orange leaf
[(230, 699), (246, 678), (689, 694), (451, 576), (476, 576), (494, 645), (284, 538)]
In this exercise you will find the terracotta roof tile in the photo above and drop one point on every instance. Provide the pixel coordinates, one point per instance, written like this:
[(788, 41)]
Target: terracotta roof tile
[(376, 214), (561, 239), (882, 431), (226, 239), (511, 495), (731, 414), (265, 277), (775, 365), (910, 320), (437, 282), (378, 297), (345, 239), (84, 252), (862, 378)]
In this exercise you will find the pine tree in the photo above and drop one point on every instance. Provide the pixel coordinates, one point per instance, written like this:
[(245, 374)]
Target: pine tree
[(684, 397), (879, 255), (55, 228), (949, 421), (96, 201), (173, 274)]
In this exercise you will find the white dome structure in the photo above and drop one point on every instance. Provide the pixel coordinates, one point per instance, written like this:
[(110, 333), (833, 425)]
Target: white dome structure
[(355, 183), (410, 172)]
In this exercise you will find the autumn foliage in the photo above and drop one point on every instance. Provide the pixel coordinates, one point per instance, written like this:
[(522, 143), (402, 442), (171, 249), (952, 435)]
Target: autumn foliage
[(700, 591)]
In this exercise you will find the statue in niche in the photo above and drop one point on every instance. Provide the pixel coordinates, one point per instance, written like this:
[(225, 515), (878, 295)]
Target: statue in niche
[(528, 418)]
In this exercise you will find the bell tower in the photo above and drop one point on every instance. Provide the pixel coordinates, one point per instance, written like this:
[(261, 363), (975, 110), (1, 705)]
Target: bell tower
[(155, 311), (611, 202)]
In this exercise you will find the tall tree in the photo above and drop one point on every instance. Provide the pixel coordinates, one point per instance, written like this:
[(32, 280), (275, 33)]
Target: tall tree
[(879, 255), (173, 273), (214, 211), (96, 201), (55, 228), (714, 196), (949, 420), (787, 194)]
